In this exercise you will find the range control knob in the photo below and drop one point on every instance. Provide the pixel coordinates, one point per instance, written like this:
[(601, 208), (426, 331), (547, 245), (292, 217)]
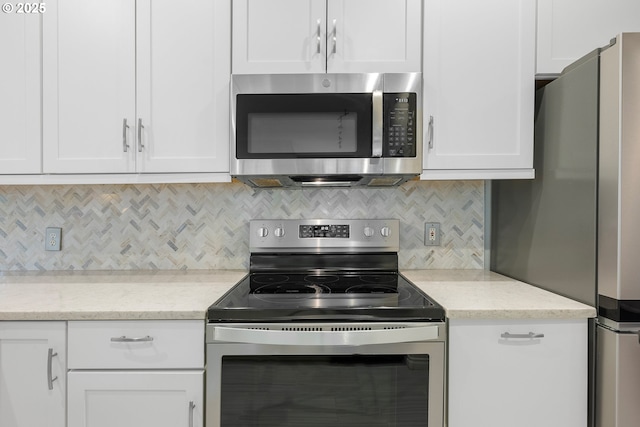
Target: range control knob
[(385, 231), (368, 231), (263, 232), (279, 232)]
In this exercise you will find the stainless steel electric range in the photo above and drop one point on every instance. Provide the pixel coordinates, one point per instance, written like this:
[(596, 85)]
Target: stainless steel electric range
[(325, 330)]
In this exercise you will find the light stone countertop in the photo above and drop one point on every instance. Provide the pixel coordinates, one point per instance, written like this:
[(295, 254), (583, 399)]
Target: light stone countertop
[(113, 295), (131, 295), (480, 294)]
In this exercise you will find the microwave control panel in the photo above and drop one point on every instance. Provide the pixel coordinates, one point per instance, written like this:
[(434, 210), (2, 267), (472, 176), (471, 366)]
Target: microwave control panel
[(399, 133)]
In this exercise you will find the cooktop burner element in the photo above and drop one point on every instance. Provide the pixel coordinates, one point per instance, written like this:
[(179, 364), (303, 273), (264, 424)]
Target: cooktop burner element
[(299, 272), (261, 283), (292, 288)]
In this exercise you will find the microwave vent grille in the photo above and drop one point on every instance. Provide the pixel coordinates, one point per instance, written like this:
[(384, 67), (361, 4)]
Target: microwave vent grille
[(386, 181), (267, 182)]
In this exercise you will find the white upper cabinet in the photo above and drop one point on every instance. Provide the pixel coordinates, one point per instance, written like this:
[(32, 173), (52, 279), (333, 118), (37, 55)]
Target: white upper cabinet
[(89, 86), (20, 125), (183, 66), (133, 88), (569, 29), (279, 36), (478, 74), (317, 36), (373, 36)]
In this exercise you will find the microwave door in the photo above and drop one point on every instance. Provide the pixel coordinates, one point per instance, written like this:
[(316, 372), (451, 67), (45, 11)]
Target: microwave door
[(298, 126)]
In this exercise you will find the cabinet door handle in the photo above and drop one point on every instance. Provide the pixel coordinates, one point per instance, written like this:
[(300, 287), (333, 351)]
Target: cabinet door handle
[(192, 407), (125, 126), (132, 339), (140, 144), (50, 378), (430, 132), (318, 35), (334, 37), (530, 335)]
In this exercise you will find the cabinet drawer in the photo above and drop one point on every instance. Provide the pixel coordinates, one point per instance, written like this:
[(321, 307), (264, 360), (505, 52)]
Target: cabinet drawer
[(158, 344)]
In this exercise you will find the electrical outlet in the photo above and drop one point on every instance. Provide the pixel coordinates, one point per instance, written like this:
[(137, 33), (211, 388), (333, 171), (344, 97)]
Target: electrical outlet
[(432, 234), (52, 238)]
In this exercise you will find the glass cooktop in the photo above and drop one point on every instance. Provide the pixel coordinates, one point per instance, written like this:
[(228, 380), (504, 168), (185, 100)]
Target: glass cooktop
[(325, 296)]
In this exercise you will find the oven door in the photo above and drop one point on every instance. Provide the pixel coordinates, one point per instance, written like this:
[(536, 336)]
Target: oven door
[(306, 376)]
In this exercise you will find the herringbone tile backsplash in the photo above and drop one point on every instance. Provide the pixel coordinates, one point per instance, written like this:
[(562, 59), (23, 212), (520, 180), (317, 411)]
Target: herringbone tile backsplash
[(206, 226)]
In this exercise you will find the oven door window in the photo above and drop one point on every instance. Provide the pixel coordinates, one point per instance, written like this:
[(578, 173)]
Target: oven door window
[(337, 391), (303, 126)]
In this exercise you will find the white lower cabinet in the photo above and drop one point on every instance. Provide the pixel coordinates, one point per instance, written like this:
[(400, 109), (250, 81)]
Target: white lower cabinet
[(32, 374), (136, 373), (135, 398), (501, 376)]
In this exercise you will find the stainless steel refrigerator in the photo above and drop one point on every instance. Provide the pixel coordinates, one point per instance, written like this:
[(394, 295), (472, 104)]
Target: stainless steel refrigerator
[(575, 228)]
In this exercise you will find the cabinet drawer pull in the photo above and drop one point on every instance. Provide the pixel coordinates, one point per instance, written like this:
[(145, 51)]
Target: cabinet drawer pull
[(530, 335), (50, 378), (192, 406), (125, 144), (129, 339)]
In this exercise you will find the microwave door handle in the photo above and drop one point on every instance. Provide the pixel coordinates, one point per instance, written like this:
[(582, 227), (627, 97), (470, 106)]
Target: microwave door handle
[(325, 338), (377, 124)]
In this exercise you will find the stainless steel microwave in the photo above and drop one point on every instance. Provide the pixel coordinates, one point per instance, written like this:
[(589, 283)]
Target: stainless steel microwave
[(326, 129)]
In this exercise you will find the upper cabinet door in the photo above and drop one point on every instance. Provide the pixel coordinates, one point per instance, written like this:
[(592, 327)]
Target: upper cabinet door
[(183, 65), (20, 120), (89, 86), (317, 36), (569, 29), (478, 72), (279, 36), (367, 36)]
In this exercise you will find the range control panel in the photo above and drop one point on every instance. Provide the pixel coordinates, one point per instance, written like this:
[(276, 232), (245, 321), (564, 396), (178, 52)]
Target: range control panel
[(339, 231), (399, 132), (322, 236)]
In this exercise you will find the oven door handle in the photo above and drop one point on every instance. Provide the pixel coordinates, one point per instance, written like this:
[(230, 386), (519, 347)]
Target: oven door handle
[(325, 338)]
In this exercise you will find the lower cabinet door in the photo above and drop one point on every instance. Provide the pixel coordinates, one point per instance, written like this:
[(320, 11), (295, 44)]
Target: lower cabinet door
[(524, 373), (32, 374), (135, 398)]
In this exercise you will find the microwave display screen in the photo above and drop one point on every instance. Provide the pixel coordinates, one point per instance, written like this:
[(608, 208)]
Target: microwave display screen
[(321, 132), (400, 125), (278, 126)]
